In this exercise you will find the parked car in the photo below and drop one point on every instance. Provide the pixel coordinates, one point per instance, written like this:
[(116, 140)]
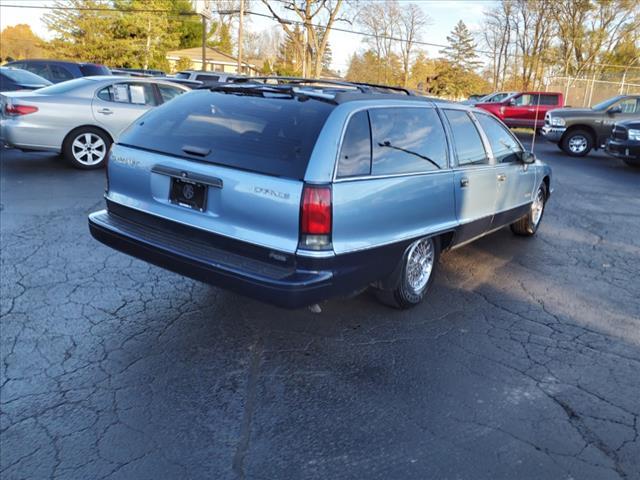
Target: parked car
[(208, 78), (579, 130), (524, 109), (490, 98), (294, 193), (624, 142), (81, 117), (187, 83), (14, 79), (142, 71), (57, 71)]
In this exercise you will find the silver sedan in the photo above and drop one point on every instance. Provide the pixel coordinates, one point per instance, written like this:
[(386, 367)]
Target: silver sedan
[(80, 118)]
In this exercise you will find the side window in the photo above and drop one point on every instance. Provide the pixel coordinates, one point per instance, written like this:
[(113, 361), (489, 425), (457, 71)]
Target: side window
[(629, 105), (407, 140), (548, 99), (355, 153), (39, 69), (505, 148), (466, 139), (135, 93), (207, 79), (526, 99), (59, 74), (168, 92)]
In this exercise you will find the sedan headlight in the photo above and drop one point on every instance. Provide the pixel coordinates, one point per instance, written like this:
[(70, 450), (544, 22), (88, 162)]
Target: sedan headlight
[(558, 122), (634, 134)]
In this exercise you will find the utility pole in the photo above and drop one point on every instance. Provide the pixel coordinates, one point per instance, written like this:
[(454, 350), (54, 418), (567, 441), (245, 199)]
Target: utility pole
[(204, 43), (240, 36)]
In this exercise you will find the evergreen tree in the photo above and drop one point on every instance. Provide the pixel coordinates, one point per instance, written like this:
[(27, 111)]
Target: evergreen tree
[(461, 51)]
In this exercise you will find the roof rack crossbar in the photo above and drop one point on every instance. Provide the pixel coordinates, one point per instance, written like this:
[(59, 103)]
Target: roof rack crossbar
[(361, 86)]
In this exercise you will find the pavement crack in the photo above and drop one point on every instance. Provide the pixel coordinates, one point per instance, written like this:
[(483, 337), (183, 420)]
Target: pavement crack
[(249, 409)]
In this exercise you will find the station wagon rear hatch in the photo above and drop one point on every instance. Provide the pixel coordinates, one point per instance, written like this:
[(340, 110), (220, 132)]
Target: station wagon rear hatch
[(245, 154)]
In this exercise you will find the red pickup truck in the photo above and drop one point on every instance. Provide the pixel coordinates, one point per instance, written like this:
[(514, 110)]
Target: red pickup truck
[(525, 109)]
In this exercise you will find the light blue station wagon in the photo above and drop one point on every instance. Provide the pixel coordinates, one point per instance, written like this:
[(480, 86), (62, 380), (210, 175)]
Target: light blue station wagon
[(303, 190)]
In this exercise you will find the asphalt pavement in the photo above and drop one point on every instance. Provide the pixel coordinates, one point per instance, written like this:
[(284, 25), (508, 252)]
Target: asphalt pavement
[(523, 363)]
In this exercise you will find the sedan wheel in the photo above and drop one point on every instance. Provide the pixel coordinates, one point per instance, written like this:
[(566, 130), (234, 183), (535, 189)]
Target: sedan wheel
[(86, 148)]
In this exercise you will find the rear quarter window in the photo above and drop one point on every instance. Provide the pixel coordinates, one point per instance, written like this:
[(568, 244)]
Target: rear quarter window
[(548, 99), (355, 153), (273, 135), (407, 140)]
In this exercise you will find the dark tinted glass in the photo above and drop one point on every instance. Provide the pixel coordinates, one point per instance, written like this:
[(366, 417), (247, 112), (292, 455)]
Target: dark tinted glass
[(466, 139), (273, 135), (89, 70), (59, 74), (548, 99), (355, 154), (505, 148), (407, 140), (208, 79), (39, 69), (183, 75)]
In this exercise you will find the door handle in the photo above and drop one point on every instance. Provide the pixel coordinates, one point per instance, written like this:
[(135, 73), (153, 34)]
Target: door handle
[(105, 111), (502, 177), (464, 182)]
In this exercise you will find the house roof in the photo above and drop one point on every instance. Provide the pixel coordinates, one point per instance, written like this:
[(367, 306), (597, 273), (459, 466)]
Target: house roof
[(212, 54)]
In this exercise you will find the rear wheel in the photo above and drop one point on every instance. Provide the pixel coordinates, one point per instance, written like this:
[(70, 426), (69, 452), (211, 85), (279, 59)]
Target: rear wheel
[(577, 143), (418, 268), (528, 225), (86, 148)]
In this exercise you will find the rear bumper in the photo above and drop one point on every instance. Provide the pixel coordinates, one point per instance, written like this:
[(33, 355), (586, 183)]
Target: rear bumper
[(625, 149), (287, 287), (553, 134), (19, 134)]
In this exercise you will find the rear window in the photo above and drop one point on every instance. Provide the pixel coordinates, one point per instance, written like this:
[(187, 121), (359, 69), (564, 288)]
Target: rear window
[(184, 75), (64, 87), (273, 135), (90, 69), (24, 77)]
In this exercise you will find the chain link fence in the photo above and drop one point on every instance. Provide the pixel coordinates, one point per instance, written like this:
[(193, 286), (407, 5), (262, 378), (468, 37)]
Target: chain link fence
[(586, 91)]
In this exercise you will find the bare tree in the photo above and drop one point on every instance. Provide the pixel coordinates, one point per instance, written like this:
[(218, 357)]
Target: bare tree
[(317, 18), (498, 37), (411, 22), (381, 21)]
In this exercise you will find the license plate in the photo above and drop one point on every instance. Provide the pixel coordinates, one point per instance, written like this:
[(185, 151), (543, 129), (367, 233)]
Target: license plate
[(188, 194)]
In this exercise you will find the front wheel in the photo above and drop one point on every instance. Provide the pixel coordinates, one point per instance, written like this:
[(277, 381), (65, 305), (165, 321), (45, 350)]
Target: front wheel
[(528, 225), (86, 148), (418, 267), (577, 143)]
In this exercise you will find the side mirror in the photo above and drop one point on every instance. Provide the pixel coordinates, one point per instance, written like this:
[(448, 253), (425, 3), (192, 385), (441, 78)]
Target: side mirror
[(614, 110), (527, 157)]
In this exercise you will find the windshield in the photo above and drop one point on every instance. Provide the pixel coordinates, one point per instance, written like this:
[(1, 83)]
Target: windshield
[(24, 77), (274, 134), (64, 87), (606, 104)]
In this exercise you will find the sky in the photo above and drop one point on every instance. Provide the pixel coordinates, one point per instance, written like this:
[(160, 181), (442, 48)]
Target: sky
[(444, 14)]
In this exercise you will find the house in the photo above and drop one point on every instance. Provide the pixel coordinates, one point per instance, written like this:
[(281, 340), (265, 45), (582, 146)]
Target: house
[(216, 61)]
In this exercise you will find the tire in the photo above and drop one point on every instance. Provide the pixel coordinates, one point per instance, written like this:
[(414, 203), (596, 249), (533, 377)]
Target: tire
[(527, 226), (633, 163), (86, 148), (577, 143), (419, 264)]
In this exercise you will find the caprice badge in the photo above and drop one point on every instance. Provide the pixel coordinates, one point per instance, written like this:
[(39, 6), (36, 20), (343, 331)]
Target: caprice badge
[(267, 192), (128, 161)]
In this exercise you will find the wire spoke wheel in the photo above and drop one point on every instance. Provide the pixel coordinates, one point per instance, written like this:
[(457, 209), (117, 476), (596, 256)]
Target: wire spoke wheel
[(420, 261), (537, 207)]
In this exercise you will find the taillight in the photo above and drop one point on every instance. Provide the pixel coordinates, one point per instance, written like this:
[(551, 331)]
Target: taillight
[(15, 110), (315, 218), (106, 169)]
